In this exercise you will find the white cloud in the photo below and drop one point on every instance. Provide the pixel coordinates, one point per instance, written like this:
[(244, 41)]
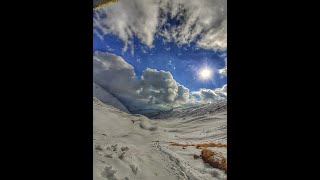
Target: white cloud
[(209, 95), (129, 17), (202, 21), (153, 90), (221, 92), (113, 73), (223, 71), (215, 38), (161, 88), (98, 34)]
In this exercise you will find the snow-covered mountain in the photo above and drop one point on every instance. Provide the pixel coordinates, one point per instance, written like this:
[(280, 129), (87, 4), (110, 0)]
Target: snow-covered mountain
[(199, 110), (105, 97)]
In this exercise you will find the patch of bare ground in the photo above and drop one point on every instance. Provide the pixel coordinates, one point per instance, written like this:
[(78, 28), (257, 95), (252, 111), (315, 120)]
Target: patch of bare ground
[(215, 159)]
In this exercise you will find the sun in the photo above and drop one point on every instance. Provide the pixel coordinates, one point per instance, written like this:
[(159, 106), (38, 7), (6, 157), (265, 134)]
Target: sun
[(205, 73)]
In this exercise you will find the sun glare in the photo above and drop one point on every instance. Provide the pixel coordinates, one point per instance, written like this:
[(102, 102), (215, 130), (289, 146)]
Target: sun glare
[(205, 73)]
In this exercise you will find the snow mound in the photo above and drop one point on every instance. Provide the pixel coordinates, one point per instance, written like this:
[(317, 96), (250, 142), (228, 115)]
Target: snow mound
[(105, 97), (145, 123)]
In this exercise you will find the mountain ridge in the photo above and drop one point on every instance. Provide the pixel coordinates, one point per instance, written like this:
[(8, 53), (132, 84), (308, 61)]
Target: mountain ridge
[(105, 97)]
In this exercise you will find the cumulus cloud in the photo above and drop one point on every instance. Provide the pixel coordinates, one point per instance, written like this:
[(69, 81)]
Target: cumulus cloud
[(209, 95), (153, 90), (113, 73), (222, 92), (202, 21)]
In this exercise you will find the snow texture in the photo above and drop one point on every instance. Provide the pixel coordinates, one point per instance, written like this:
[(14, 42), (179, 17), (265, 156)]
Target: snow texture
[(133, 147)]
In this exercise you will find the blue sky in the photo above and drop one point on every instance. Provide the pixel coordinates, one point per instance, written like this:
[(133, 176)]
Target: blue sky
[(159, 38), (182, 61)]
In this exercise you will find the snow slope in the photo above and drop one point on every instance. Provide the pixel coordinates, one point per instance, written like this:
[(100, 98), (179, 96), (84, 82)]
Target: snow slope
[(131, 146), (105, 97), (192, 111)]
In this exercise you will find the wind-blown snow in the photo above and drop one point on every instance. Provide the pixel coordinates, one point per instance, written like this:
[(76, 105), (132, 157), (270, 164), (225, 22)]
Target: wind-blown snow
[(132, 146)]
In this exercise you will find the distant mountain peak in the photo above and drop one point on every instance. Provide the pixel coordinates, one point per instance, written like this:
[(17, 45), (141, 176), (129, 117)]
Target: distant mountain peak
[(191, 111)]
